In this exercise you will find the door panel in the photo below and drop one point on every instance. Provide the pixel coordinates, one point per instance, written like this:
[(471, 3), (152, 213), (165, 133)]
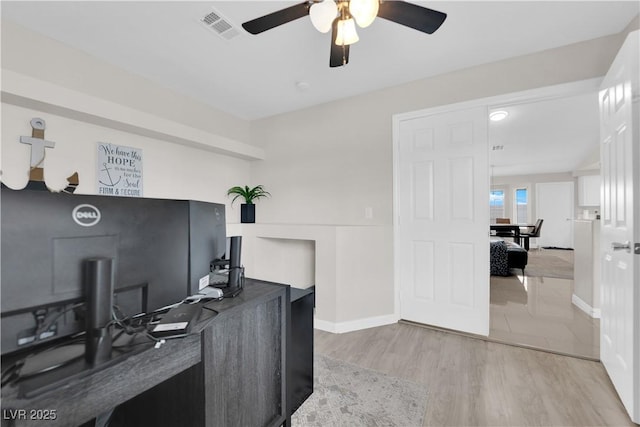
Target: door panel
[(620, 162), (443, 215), (555, 205)]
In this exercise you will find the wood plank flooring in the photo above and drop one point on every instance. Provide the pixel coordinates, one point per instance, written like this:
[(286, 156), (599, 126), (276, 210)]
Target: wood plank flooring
[(473, 382)]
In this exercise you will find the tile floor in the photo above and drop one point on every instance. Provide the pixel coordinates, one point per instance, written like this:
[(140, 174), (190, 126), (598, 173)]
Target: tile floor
[(537, 312)]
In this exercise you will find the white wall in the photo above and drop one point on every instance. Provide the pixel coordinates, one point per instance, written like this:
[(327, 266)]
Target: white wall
[(170, 171), (328, 163), (510, 183), (290, 261)]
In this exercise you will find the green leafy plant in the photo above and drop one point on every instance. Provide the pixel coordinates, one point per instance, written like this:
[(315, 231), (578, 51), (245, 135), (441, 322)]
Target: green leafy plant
[(249, 194)]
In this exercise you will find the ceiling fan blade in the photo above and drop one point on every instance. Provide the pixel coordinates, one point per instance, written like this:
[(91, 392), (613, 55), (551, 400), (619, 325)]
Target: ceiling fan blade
[(339, 54), (277, 18), (411, 15)]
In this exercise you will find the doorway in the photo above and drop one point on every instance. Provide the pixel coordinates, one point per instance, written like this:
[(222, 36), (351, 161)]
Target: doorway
[(422, 138), (540, 154)]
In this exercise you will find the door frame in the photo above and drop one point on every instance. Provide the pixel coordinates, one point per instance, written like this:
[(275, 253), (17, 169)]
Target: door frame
[(514, 98)]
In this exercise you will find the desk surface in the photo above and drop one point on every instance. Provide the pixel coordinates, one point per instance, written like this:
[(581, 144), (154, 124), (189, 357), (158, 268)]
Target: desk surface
[(82, 398)]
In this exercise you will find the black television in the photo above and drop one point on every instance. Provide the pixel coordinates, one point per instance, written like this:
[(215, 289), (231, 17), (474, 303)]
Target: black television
[(160, 251)]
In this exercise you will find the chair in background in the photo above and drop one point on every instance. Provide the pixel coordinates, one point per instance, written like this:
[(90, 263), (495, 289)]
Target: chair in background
[(534, 232)]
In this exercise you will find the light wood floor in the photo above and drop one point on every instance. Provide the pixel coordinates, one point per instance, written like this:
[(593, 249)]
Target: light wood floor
[(473, 382)]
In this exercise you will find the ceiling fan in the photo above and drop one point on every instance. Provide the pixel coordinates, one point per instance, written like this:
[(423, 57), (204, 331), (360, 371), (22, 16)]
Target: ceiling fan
[(338, 17)]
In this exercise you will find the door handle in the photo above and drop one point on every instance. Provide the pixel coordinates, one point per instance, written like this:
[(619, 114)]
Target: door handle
[(616, 246)]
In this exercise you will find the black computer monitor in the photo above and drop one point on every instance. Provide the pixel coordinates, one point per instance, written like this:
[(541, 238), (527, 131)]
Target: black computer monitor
[(207, 241), (159, 250)]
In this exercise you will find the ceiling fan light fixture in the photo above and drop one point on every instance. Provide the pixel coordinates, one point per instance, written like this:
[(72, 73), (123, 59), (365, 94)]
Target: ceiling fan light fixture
[(347, 34), (364, 11), (322, 15), (337, 16)]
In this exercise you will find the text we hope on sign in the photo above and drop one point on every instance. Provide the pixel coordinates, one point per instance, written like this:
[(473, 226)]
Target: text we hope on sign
[(119, 170)]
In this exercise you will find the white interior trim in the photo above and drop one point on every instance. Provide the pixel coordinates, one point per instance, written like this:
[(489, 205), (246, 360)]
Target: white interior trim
[(579, 302), (354, 325)]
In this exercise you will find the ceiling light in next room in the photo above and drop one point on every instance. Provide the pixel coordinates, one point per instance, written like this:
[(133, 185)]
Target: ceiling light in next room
[(496, 116)]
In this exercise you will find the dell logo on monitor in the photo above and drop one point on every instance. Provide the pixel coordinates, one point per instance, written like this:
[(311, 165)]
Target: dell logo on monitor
[(86, 215)]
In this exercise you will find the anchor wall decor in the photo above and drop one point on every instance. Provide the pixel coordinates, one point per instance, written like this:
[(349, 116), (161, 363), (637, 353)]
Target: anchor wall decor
[(36, 166)]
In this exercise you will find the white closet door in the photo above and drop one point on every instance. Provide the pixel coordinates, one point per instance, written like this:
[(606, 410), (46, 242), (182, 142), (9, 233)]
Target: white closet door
[(443, 220)]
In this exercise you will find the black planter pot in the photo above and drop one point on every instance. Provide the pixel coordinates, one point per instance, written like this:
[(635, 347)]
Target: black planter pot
[(248, 213)]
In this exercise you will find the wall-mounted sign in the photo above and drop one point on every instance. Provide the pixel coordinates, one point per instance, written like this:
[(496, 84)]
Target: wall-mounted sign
[(119, 170)]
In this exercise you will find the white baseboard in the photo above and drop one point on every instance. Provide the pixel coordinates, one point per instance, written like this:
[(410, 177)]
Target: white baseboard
[(578, 302), (354, 325)]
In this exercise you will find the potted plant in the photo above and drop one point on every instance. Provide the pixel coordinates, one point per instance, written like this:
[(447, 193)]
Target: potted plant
[(248, 209)]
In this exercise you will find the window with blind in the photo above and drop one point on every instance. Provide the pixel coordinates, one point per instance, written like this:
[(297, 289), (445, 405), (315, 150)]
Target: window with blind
[(521, 206), (496, 204)]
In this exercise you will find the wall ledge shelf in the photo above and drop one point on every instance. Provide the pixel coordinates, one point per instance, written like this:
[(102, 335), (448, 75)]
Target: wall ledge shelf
[(27, 92), (346, 263)]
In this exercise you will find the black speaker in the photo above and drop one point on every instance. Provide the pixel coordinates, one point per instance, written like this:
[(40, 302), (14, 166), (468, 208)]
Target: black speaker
[(235, 266), (98, 280)]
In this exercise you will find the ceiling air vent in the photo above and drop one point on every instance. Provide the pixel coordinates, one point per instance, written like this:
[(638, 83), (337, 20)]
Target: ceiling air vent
[(219, 25)]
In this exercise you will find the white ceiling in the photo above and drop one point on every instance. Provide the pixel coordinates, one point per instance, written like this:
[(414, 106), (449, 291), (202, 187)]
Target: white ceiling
[(547, 136), (256, 76)]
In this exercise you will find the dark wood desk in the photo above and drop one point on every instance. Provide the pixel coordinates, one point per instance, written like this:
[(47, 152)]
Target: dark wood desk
[(232, 370)]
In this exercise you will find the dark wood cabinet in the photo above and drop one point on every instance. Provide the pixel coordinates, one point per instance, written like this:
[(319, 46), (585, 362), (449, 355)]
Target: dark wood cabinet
[(300, 361), (245, 353), (232, 371)]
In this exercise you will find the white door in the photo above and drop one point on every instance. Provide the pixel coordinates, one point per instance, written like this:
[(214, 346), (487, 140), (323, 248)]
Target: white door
[(620, 271), (555, 205), (442, 182)]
